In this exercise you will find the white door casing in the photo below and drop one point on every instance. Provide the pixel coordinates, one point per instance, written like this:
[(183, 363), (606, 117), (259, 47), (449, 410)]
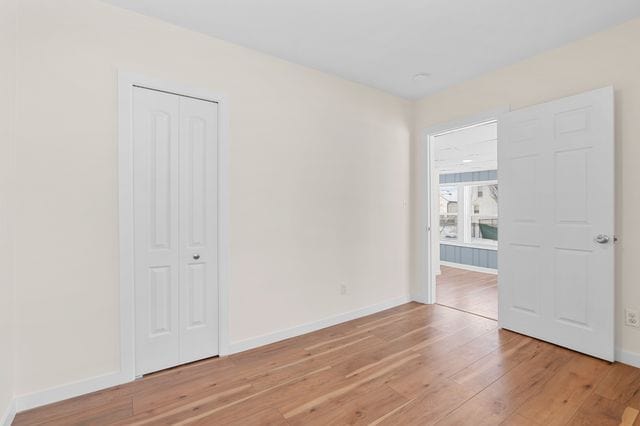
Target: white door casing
[(428, 214), (175, 229), (556, 195)]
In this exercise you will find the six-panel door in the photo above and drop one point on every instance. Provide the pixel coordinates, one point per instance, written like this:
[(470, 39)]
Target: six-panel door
[(556, 280), (175, 221)]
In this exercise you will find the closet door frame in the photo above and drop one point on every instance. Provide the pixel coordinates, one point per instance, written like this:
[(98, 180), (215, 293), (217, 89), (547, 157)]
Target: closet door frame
[(126, 83)]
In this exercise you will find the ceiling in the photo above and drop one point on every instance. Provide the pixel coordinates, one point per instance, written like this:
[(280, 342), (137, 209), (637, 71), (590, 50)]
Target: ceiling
[(467, 150), (384, 43)]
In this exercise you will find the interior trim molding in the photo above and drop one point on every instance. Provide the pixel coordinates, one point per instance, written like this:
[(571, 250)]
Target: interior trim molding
[(424, 249), (627, 357), (69, 390), (93, 384), (9, 414), (265, 339), (126, 83)]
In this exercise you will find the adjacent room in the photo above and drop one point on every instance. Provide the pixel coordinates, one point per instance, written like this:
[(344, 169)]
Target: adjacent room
[(319, 212), (465, 177)]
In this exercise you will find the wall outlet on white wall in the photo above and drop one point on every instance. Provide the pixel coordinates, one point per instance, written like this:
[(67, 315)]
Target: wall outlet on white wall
[(343, 289), (631, 317)]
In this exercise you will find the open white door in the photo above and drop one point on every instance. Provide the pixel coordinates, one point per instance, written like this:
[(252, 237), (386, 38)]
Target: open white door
[(556, 218)]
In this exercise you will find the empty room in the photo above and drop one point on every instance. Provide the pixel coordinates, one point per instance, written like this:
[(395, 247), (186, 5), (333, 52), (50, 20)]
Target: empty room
[(319, 212)]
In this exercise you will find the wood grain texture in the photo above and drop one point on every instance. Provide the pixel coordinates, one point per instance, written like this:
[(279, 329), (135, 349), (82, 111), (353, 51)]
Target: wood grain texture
[(469, 291), (411, 365)]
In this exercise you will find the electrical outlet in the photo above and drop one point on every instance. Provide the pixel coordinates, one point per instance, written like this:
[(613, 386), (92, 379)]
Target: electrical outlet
[(343, 289), (631, 317)]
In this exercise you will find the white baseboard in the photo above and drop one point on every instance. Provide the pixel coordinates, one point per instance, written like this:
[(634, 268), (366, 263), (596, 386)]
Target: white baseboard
[(420, 298), (69, 390), (9, 414), (266, 339), (470, 267), (629, 358)]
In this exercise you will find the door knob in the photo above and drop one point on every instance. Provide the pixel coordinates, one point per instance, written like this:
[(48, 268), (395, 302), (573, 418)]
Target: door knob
[(196, 256), (601, 239)]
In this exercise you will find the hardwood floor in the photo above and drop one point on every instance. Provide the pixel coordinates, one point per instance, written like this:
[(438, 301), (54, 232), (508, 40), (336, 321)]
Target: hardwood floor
[(411, 365), (469, 291)]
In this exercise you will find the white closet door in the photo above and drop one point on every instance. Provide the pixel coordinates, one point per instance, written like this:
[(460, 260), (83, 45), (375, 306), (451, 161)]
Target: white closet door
[(176, 229), (556, 253), (156, 124), (198, 229)]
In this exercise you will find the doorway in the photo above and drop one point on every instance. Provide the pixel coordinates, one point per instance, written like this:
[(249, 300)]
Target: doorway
[(555, 221), (464, 170)]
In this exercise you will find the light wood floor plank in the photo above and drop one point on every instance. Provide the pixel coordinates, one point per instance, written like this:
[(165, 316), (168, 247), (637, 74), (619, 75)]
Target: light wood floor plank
[(469, 291), (430, 404), (414, 364), (499, 400), (564, 393), (600, 411)]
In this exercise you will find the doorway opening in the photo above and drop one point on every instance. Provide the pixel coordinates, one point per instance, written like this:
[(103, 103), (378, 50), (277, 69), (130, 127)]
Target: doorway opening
[(464, 207), (556, 219)]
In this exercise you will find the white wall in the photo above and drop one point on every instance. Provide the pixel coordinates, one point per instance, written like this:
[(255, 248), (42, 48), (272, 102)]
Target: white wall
[(7, 99), (608, 58), (318, 176), (318, 182)]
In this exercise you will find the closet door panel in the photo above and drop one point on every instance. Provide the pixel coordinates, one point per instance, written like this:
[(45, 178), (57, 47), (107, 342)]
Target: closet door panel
[(156, 122), (198, 229)]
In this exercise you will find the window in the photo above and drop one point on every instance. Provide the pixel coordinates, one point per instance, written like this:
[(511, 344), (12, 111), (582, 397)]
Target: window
[(448, 212), (469, 213), (484, 220)]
